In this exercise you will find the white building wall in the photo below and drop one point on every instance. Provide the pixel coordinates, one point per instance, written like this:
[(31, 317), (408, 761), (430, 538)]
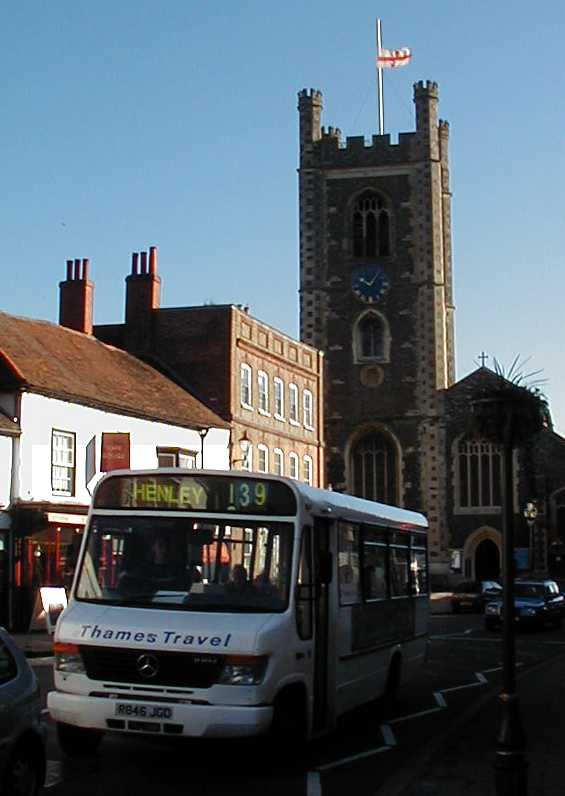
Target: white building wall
[(5, 469), (40, 415)]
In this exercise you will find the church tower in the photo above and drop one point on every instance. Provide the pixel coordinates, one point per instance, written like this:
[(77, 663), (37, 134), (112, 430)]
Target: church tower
[(376, 296)]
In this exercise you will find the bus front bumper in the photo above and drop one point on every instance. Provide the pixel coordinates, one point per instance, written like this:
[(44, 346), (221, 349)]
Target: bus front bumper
[(155, 718)]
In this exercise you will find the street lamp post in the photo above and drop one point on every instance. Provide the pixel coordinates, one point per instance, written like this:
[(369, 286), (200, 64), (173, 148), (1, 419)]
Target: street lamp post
[(530, 515), (510, 763)]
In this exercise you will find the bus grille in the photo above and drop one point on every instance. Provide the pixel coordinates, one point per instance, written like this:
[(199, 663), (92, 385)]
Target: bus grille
[(173, 669)]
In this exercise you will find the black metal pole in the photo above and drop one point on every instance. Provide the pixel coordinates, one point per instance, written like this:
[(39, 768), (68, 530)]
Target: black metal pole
[(511, 774)]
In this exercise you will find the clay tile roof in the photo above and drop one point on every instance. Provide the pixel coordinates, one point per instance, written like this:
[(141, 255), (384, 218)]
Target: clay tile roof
[(69, 365)]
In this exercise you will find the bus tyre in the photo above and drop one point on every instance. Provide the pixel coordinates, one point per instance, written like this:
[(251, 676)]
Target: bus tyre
[(393, 681), (289, 719), (78, 741)]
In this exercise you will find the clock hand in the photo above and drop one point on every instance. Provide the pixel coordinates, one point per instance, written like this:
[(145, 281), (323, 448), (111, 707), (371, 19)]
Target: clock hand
[(372, 282)]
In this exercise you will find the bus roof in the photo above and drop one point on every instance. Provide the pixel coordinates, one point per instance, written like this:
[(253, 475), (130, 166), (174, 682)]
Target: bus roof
[(319, 501)]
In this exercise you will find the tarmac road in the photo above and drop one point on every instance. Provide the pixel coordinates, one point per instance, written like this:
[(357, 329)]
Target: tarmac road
[(374, 751)]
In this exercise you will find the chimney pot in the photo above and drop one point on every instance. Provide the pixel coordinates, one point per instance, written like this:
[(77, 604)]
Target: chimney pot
[(69, 270), (134, 262), (143, 262), (152, 259), (77, 269), (85, 267)]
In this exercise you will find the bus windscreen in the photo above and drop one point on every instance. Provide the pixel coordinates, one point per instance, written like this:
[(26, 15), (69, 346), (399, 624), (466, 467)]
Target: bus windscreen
[(192, 492)]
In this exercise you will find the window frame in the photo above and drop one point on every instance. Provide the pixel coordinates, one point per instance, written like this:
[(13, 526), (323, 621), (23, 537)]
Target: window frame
[(278, 397), (293, 404), (308, 467), (246, 385), (308, 409), (293, 464), (263, 392), (278, 454), (176, 453), (262, 449), (71, 435)]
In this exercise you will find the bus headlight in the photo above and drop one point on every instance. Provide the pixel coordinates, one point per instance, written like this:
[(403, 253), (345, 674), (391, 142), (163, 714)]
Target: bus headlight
[(68, 658), (243, 670)]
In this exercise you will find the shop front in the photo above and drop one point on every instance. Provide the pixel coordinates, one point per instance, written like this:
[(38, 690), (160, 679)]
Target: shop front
[(42, 547)]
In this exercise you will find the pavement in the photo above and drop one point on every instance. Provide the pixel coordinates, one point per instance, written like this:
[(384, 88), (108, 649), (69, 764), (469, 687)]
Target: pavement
[(461, 762)]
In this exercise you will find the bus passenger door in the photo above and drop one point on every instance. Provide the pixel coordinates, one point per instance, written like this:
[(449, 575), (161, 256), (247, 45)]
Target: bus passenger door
[(322, 559)]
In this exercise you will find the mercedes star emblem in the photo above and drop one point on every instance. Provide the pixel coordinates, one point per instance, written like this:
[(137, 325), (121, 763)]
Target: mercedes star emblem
[(147, 666)]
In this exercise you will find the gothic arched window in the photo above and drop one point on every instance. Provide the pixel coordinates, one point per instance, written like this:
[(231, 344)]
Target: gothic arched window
[(371, 226), (374, 468), (479, 474), (371, 338)]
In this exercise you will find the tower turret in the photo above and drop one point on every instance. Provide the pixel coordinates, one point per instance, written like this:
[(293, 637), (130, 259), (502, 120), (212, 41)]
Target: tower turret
[(310, 106)]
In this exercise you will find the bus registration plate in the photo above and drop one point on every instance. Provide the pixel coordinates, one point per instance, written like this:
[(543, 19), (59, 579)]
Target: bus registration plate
[(143, 711)]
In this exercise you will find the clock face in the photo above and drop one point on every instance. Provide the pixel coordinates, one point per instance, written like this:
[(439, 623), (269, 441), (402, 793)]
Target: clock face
[(370, 284)]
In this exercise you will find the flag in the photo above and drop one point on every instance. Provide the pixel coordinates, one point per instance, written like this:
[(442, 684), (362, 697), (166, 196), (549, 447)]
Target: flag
[(391, 59)]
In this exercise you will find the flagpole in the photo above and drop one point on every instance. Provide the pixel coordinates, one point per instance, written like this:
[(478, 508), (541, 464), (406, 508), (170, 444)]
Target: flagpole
[(380, 102)]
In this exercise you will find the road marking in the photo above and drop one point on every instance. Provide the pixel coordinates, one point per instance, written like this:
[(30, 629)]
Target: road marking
[(388, 735), (414, 715), (360, 756), (53, 773), (313, 786)]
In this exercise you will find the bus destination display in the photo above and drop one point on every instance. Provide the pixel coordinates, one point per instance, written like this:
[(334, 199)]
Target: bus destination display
[(195, 493)]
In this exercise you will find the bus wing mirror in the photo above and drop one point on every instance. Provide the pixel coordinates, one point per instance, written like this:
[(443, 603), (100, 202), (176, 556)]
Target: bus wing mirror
[(325, 566)]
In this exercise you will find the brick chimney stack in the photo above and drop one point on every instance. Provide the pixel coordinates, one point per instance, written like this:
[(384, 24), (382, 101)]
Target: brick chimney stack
[(76, 296), (143, 296)]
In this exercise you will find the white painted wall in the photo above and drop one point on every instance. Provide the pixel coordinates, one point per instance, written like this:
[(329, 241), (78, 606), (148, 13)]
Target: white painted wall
[(5, 469), (40, 415)]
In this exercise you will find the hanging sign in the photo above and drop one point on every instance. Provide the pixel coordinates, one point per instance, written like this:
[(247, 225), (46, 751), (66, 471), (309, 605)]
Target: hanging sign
[(115, 452)]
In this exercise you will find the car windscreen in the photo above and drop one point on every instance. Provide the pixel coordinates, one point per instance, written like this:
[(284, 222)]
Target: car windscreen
[(529, 590), (186, 564)]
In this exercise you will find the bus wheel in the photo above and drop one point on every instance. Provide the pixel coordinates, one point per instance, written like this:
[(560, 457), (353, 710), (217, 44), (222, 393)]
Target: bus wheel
[(393, 681), (289, 720), (78, 741)]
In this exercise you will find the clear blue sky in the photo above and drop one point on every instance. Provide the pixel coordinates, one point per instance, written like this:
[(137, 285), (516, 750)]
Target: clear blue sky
[(129, 124)]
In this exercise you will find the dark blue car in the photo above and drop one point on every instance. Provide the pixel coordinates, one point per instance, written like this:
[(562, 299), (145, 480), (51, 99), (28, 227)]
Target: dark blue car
[(536, 603)]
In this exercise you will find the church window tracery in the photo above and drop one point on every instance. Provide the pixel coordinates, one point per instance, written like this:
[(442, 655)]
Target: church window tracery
[(374, 469), (370, 226), (479, 474)]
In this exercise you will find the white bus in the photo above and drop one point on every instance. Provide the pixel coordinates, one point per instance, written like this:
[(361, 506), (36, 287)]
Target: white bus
[(216, 604)]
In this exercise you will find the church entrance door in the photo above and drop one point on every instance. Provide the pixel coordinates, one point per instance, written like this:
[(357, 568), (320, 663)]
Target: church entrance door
[(487, 561)]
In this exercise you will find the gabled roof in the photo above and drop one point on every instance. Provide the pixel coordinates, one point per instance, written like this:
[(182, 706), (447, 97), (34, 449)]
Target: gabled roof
[(61, 363)]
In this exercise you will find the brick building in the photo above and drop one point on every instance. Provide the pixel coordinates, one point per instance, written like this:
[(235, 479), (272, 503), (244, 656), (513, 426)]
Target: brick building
[(268, 386)]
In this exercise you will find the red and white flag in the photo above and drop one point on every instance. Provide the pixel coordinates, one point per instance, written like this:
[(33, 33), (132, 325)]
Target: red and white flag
[(391, 59)]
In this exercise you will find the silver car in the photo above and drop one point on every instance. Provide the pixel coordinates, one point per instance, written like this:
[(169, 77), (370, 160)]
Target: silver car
[(22, 730)]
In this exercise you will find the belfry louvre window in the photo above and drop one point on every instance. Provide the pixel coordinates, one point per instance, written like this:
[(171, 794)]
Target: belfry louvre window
[(371, 226), (374, 469), (63, 462), (371, 339), (479, 474)]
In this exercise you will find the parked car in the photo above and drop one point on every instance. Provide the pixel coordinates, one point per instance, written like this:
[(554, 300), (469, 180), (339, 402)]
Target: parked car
[(23, 733), (473, 595), (536, 602)]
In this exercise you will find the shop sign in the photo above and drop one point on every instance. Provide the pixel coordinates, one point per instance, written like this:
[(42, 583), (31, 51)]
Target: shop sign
[(115, 452), (66, 519)]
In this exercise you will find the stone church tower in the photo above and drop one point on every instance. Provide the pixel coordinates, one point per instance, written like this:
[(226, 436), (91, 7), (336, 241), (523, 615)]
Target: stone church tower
[(376, 296)]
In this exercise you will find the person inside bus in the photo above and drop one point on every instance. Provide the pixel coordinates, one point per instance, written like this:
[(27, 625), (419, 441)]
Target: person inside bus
[(238, 582), (160, 571)]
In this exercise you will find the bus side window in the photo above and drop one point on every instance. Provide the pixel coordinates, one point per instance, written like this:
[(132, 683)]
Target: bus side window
[(305, 587), (348, 564)]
